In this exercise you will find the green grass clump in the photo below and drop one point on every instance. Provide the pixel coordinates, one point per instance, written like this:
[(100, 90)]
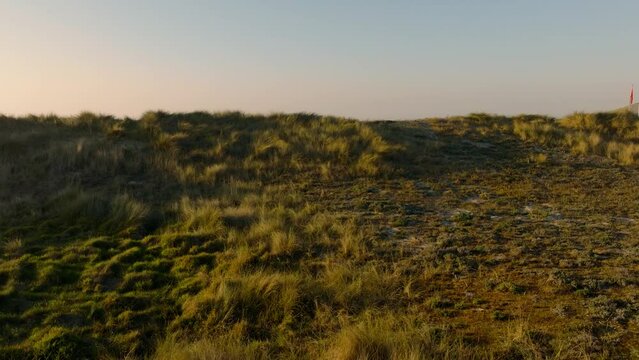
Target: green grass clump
[(59, 344), (265, 302)]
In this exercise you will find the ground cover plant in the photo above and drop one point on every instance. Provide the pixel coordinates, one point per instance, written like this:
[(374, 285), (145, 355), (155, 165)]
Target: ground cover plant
[(235, 236)]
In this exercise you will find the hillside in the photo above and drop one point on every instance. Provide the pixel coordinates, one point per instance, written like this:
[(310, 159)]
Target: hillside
[(234, 236)]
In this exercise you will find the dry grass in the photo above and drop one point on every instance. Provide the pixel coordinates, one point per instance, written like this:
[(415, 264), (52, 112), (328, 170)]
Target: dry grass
[(614, 135), (227, 236)]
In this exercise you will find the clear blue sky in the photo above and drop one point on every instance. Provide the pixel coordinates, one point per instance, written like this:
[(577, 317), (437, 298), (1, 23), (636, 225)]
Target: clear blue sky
[(366, 59)]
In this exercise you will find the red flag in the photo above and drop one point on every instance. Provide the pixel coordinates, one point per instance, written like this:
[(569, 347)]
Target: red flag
[(632, 95)]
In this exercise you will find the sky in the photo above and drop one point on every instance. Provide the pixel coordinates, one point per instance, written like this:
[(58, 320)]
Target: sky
[(401, 59)]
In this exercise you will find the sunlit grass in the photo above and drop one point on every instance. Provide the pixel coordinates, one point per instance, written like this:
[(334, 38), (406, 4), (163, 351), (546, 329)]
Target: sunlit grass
[(235, 236)]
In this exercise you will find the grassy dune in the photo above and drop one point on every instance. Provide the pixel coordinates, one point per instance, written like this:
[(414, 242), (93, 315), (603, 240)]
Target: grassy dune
[(233, 236)]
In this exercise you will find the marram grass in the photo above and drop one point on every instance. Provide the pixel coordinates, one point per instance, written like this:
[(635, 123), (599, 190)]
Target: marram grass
[(297, 236)]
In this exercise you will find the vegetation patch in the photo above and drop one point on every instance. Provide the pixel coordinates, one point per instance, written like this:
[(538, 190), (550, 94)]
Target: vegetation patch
[(297, 236)]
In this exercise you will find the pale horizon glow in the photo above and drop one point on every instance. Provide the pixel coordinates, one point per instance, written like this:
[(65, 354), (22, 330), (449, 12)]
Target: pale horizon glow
[(363, 59)]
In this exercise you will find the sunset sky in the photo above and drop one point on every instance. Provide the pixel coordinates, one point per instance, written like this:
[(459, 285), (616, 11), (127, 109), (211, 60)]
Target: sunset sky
[(363, 59)]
